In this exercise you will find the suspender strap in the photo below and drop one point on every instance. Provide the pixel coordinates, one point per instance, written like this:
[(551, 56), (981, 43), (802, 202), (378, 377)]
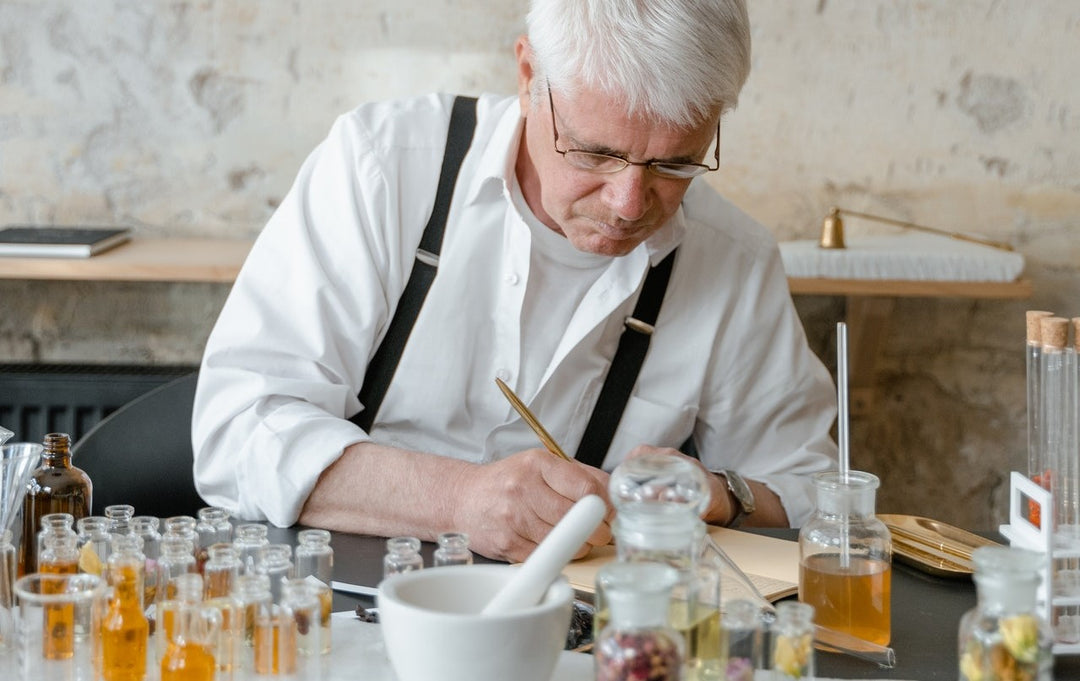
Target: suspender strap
[(383, 365), (625, 366)]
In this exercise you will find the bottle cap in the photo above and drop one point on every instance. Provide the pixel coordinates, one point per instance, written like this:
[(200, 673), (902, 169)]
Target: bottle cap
[(637, 594)]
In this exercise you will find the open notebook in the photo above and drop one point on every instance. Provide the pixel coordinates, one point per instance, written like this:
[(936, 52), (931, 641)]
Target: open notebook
[(771, 564)]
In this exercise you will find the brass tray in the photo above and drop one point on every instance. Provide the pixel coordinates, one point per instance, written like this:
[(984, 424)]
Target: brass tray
[(933, 546)]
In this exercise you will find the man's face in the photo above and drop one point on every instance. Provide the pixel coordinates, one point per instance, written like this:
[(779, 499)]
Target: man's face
[(607, 214)]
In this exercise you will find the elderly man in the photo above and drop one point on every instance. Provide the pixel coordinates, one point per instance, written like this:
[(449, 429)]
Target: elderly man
[(562, 240)]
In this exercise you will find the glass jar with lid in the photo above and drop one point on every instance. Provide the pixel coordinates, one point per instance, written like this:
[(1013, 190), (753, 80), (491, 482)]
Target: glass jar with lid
[(845, 558), (659, 499), (637, 642), (1004, 637)]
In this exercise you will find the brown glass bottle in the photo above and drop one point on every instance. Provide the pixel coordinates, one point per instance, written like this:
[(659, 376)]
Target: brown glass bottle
[(55, 487)]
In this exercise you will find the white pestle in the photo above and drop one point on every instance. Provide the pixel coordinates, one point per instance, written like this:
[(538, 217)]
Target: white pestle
[(532, 579)]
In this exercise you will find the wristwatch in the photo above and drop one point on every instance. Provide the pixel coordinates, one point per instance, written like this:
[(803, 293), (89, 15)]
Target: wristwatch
[(744, 496)]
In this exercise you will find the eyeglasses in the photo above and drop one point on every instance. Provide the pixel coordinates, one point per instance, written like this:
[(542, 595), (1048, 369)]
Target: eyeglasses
[(596, 162)]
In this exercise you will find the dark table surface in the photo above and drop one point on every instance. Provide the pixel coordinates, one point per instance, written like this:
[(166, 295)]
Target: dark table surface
[(926, 611)]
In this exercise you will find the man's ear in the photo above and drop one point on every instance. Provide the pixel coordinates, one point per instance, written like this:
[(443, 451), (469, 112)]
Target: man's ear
[(525, 72)]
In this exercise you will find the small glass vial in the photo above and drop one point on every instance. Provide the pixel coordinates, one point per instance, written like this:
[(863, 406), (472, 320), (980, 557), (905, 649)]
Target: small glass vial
[(95, 544), (187, 590), (221, 571), (275, 561), (792, 641), (189, 651), (176, 560), (124, 628), (314, 555), (146, 528), (845, 558), (248, 539), (59, 555), (637, 643), (54, 487), (402, 555), (184, 526), (229, 634), (119, 516), (213, 526), (453, 549), (1004, 637), (740, 638), (300, 602)]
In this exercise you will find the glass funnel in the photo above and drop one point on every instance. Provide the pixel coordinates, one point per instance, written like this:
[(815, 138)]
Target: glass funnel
[(17, 461)]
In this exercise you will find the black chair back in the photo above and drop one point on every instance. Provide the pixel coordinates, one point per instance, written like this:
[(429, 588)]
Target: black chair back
[(141, 454)]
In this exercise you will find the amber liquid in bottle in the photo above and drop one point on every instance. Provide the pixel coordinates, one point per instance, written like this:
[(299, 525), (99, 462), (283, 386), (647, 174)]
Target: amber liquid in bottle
[(855, 598), (124, 631), (55, 487), (187, 662), (59, 642)]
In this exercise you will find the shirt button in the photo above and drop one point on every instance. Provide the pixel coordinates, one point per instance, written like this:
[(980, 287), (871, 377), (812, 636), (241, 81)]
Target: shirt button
[(512, 279), (503, 375)]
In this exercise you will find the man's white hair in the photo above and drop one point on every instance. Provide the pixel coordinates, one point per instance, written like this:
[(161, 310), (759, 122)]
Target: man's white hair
[(678, 61)]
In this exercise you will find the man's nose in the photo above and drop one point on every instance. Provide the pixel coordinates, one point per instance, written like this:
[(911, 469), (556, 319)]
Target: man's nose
[(627, 192)]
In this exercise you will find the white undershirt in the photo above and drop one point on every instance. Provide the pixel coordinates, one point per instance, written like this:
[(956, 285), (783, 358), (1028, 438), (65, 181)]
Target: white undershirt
[(559, 277)]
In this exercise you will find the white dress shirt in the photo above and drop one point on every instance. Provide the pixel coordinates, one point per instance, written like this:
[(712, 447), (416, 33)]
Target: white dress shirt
[(728, 363)]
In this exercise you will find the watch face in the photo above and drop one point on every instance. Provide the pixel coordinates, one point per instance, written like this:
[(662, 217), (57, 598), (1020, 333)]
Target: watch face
[(741, 490)]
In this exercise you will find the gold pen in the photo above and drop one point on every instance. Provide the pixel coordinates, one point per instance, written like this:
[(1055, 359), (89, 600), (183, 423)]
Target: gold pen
[(520, 408)]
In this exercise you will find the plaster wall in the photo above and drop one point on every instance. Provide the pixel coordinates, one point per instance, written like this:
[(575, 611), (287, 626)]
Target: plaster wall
[(191, 117)]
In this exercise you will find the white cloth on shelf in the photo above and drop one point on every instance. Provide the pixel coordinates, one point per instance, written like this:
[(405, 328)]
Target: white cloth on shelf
[(909, 256)]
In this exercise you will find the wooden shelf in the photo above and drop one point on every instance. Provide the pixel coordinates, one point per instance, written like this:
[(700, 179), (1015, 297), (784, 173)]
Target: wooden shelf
[(895, 288), (163, 260)]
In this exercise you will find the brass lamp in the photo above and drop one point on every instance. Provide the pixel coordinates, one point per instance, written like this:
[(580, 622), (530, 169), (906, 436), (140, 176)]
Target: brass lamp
[(832, 230)]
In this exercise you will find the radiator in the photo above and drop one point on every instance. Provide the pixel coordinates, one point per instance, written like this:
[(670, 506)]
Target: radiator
[(36, 399)]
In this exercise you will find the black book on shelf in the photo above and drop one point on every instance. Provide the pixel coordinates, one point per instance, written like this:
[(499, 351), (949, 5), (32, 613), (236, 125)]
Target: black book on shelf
[(60, 242)]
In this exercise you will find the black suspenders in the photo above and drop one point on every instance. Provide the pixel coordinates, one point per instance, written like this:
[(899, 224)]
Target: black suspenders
[(633, 344)]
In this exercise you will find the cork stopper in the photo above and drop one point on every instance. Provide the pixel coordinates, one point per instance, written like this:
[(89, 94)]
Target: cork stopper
[(1076, 333), (1055, 332), (1034, 333)]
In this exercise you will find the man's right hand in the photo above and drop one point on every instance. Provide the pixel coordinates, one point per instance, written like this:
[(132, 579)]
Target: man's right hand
[(509, 506)]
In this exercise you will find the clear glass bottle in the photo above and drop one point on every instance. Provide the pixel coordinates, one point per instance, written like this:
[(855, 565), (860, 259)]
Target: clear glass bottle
[(213, 526), (176, 559), (58, 555), (184, 526), (146, 528), (402, 555), (55, 486), (658, 501), (95, 544), (792, 641), (741, 639), (275, 561), (228, 636), (637, 642), (453, 550), (845, 558), (187, 590), (222, 569), (314, 555), (1004, 637), (189, 651), (300, 602), (248, 539), (55, 525), (124, 628), (119, 516)]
